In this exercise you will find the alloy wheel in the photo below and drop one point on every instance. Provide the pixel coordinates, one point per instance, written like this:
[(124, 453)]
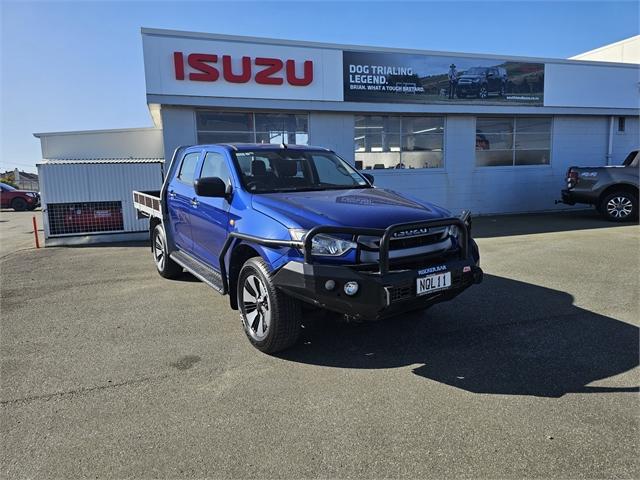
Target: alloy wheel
[(256, 307), (619, 207), (158, 252)]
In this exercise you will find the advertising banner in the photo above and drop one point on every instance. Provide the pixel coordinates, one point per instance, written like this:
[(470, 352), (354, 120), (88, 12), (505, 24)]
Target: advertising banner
[(409, 78)]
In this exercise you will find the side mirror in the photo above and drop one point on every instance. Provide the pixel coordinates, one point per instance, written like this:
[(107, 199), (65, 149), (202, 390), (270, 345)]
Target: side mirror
[(369, 177), (210, 187)]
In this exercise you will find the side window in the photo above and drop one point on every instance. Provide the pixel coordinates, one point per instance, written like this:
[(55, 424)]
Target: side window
[(215, 165), (188, 167)]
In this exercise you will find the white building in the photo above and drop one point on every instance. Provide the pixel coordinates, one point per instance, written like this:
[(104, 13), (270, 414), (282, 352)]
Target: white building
[(494, 134)]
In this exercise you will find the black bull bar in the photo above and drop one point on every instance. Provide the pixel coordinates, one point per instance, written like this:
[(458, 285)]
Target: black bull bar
[(463, 223)]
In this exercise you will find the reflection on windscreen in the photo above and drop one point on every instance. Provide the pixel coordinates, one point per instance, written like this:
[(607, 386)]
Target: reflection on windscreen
[(286, 170), (475, 71)]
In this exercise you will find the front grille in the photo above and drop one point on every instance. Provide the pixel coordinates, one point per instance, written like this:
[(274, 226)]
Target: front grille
[(412, 242)]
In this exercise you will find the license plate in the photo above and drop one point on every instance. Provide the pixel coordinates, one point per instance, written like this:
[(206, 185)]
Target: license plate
[(433, 283)]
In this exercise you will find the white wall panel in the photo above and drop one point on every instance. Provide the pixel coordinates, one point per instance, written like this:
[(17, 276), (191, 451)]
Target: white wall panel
[(69, 183), (136, 143)]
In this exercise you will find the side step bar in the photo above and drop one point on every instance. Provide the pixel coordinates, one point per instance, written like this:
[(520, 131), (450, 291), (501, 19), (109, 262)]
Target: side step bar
[(202, 272)]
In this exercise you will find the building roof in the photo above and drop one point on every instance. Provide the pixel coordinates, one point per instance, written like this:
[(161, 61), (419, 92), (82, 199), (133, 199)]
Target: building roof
[(81, 161), (623, 51)]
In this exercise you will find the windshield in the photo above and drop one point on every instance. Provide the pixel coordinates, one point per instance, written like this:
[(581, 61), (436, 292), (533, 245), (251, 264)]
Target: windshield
[(290, 171), (475, 71), (7, 187)]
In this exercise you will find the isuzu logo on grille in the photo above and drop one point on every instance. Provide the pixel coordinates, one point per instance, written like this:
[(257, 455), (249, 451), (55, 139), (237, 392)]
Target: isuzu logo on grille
[(414, 232)]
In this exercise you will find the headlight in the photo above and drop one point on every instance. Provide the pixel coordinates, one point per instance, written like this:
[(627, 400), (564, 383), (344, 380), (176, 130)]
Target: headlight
[(453, 231), (31, 194), (324, 244)]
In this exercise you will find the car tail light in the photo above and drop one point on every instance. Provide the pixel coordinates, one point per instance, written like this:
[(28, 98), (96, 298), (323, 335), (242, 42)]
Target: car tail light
[(572, 178)]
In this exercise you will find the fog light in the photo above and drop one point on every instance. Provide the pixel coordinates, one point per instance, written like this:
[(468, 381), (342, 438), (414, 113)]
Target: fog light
[(329, 284), (351, 288)]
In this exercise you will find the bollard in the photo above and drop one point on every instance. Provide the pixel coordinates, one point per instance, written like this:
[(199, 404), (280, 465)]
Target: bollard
[(35, 231)]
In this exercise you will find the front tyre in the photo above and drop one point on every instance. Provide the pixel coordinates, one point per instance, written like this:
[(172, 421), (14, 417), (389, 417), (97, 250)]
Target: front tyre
[(19, 204), (619, 206), (166, 267), (271, 319)]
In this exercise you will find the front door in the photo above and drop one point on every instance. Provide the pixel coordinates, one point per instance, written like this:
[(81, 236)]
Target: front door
[(210, 216)]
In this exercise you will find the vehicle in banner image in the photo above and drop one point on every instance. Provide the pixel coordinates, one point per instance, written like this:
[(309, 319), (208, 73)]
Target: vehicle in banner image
[(480, 82), (19, 200), (286, 228), (612, 189)]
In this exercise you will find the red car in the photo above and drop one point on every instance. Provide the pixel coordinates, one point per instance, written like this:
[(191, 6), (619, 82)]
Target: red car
[(19, 200)]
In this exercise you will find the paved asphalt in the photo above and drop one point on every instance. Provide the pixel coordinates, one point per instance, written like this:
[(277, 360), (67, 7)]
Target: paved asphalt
[(109, 370), (16, 230)]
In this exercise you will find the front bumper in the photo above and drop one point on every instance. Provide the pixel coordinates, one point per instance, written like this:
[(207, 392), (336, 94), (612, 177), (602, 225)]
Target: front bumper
[(379, 295), (468, 88)]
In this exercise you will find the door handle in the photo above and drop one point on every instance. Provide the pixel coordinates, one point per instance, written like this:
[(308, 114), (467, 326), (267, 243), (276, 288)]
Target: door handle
[(195, 202), (172, 194)]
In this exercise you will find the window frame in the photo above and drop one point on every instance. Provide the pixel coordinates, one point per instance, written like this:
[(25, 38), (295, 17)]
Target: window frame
[(485, 168), (622, 122), (401, 134), (253, 133)]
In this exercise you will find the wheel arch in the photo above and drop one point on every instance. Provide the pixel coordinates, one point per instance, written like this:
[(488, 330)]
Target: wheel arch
[(239, 255), (618, 187)]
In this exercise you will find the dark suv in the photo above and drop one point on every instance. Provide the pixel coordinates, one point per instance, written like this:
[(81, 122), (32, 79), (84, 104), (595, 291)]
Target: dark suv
[(482, 82)]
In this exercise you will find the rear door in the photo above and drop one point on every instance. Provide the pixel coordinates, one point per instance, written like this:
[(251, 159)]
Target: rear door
[(180, 196), (210, 216)]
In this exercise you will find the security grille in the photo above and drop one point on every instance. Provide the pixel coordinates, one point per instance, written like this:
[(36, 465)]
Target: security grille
[(85, 217)]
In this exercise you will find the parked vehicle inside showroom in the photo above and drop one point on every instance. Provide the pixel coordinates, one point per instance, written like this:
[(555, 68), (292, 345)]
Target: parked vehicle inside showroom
[(19, 200), (279, 227), (480, 82), (612, 189)]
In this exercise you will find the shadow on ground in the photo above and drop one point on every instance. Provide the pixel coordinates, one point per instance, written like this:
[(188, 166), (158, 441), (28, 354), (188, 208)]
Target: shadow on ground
[(501, 337), (526, 224)]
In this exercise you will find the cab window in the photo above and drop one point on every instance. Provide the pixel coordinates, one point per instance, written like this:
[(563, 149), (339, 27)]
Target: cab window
[(188, 167), (215, 165)]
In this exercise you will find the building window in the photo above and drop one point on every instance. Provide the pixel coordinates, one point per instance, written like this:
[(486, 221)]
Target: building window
[(621, 124), (513, 141), (249, 127), (398, 142)]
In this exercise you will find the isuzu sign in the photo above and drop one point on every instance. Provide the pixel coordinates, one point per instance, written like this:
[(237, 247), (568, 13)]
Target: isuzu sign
[(202, 65), (208, 67)]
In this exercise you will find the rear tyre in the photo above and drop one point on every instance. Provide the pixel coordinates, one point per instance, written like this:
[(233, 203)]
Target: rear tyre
[(19, 204), (272, 320), (619, 206), (166, 267)]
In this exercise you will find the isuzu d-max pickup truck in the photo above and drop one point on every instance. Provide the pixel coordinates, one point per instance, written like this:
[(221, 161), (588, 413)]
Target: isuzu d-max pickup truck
[(282, 228)]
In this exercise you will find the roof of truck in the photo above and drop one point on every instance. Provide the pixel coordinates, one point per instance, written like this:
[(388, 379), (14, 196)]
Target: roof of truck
[(244, 147)]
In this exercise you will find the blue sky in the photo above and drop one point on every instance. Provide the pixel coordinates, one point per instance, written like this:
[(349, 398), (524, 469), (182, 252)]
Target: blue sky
[(78, 65)]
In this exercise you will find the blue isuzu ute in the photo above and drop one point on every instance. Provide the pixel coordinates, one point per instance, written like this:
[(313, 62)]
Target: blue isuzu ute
[(283, 228)]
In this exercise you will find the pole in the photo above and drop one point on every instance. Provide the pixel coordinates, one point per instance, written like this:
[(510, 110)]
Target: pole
[(35, 231)]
